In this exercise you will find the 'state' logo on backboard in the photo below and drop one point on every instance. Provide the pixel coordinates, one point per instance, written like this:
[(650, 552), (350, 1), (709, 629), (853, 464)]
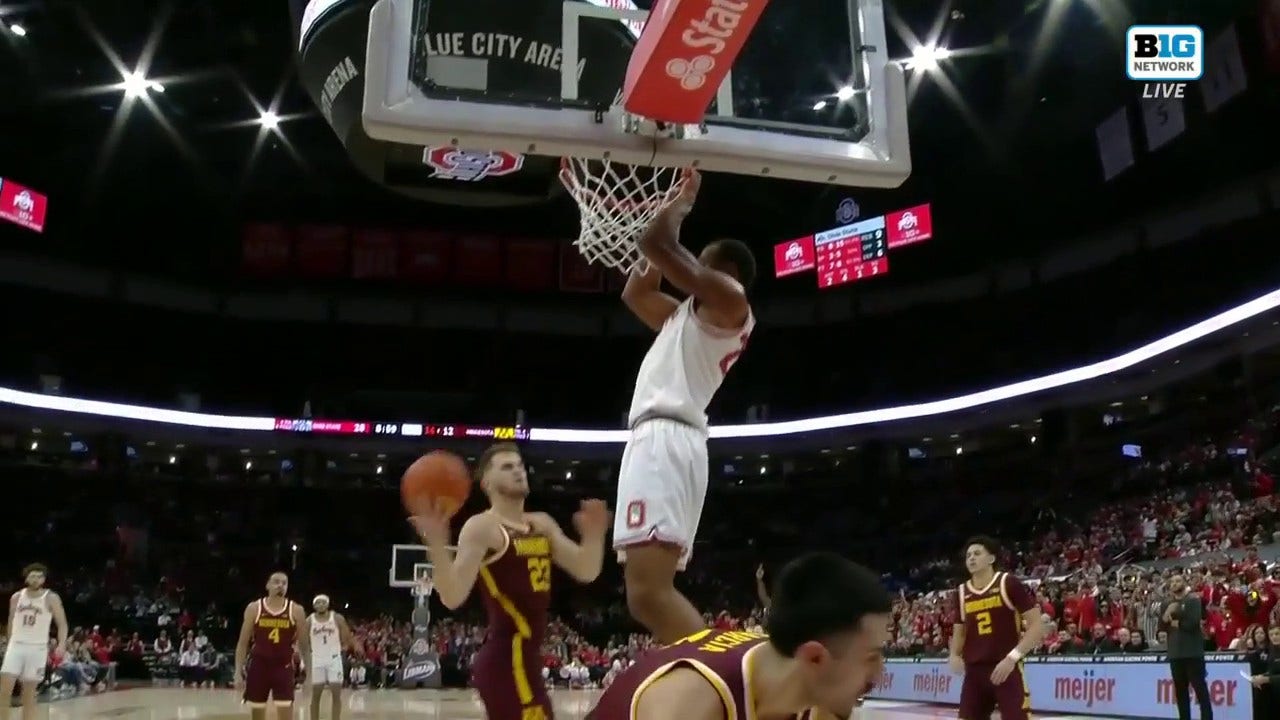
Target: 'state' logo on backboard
[(450, 163)]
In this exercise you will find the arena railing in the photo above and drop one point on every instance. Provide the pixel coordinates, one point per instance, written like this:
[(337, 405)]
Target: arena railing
[(1236, 315)]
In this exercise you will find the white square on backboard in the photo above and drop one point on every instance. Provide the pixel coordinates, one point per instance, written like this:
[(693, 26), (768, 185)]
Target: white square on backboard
[(1178, 56)]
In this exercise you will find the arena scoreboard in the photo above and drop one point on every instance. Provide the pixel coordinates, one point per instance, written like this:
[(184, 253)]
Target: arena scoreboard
[(854, 252), (317, 426)]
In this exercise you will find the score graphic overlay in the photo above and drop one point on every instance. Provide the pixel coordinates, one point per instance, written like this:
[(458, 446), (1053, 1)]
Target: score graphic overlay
[(858, 251), (402, 429), (22, 206)]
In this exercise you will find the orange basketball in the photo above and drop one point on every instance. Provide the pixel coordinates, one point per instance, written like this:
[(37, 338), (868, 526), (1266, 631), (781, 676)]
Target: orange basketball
[(437, 476)]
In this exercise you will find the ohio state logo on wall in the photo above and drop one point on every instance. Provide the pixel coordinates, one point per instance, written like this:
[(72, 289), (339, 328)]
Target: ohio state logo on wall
[(450, 163)]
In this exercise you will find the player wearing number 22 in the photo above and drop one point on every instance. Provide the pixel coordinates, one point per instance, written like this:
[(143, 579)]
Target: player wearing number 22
[(510, 553), (999, 625), (268, 636)]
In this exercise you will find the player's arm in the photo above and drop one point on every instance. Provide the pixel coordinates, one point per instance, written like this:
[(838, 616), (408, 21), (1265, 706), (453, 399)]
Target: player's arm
[(720, 294), (246, 634), (1024, 601), (762, 592), (583, 561), (681, 693), (302, 639), (59, 619), (643, 296), (13, 611), (454, 575), (346, 638)]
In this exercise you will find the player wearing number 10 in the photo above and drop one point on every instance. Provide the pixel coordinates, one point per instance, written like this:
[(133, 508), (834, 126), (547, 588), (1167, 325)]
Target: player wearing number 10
[(999, 625), (510, 552)]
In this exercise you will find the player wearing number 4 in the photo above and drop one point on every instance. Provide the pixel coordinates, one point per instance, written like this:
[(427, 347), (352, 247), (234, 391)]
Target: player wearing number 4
[(999, 625), (269, 639), (511, 552), (662, 483)]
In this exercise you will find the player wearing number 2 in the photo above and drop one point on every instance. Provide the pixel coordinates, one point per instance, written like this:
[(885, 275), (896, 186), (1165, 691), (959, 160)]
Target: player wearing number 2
[(268, 636), (663, 480), (999, 625), (511, 552)]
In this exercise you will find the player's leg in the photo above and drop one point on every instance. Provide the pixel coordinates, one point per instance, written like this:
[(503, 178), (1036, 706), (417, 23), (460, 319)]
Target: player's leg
[(1013, 696), (257, 690), (32, 662), (7, 682), (318, 678), (282, 692), (661, 488), (334, 681), (976, 697)]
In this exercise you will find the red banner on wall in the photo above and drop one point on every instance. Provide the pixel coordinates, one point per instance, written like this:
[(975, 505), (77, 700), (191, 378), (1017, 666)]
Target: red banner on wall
[(320, 251), (576, 274), (375, 254), (265, 249), (531, 264), (425, 256), (478, 260)]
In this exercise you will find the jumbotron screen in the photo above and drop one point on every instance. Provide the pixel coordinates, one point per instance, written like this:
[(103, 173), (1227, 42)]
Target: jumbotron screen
[(858, 251)]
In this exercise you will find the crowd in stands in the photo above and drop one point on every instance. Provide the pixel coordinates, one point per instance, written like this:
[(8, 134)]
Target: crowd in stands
[(144, 604)]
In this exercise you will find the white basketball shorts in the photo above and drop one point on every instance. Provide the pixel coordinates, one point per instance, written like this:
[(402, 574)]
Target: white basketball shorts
[(661, 487), (25, 662), (326, 671)]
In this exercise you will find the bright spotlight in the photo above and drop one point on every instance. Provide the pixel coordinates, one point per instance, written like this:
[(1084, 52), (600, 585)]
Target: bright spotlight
[(269, 120), (18, 30), (926, 57), (155, 87), (135, 86), (821, 104), (844, 93)]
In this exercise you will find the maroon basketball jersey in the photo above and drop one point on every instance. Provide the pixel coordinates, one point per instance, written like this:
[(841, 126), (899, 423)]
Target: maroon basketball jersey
[(274, 634), (722, 658), (516, 584), (992, 617)]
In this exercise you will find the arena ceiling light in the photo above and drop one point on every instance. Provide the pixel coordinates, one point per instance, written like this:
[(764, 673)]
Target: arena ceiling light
[(926, 57), (18, 30), (269, 120), (1253, 308)]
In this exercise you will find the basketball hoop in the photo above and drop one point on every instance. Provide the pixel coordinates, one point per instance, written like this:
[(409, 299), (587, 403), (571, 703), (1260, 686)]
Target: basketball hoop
[(617, 202)]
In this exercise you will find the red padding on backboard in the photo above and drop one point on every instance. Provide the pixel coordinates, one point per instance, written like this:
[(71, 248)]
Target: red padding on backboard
[(684, 54)]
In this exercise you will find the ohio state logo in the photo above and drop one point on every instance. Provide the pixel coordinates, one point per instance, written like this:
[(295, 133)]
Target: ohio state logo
[(24, 202), (449, 163)]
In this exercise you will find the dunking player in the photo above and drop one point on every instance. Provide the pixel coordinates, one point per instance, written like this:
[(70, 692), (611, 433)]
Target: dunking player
[(271, 623), (511, 552), (329, 633), (31, 610), (827, 627), (999, 625), (663, 479)]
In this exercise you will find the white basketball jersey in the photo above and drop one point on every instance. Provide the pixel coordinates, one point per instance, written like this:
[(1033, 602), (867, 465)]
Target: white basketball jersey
[(31, 619), (325, 643), (685, 366)]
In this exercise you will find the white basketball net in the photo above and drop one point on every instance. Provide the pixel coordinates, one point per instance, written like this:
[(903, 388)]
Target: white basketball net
[(616, 202)]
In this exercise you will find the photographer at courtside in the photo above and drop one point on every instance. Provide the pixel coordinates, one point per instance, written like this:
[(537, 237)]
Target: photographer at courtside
[(1182, 615)]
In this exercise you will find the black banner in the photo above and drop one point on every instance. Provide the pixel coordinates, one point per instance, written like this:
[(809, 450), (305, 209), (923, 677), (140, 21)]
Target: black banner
[(422, 665)]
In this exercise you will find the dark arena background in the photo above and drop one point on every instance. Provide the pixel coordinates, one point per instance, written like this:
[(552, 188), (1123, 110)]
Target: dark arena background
[(232, 318)]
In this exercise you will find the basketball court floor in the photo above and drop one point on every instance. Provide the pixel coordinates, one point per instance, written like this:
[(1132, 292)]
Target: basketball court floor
[(185, 704)]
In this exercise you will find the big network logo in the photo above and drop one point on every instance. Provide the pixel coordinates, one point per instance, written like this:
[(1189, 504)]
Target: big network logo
[(1164, 58)]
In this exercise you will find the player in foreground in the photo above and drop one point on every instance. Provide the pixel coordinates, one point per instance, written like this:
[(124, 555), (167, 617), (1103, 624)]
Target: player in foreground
[(511, 551), (31, 610), (329, 633), (271, 624), (663, 479), (999, 625), (827, 628)]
